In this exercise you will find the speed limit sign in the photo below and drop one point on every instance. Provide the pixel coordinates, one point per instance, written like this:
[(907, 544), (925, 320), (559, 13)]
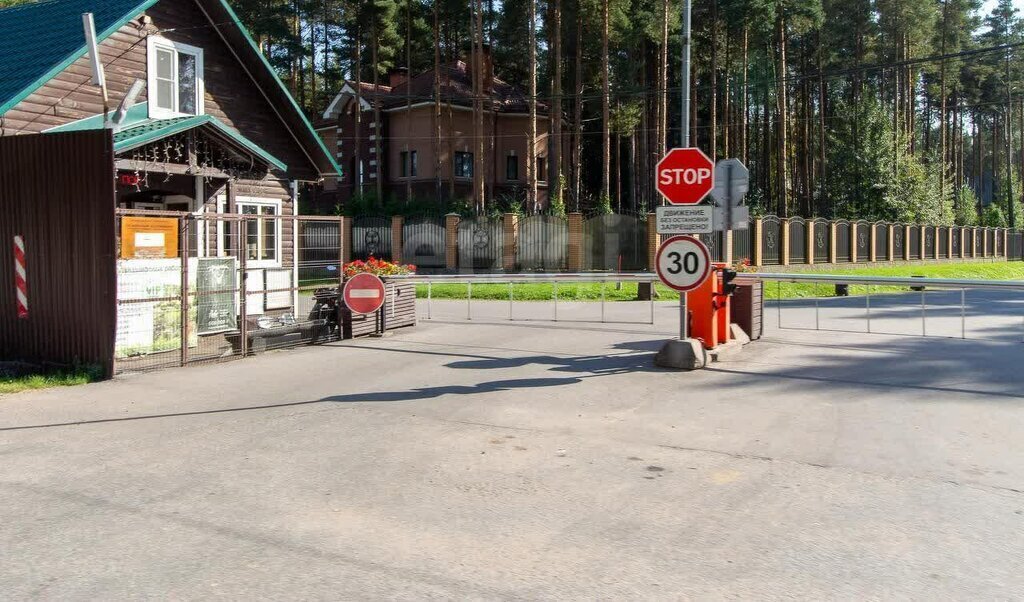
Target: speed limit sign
[(683, 263)]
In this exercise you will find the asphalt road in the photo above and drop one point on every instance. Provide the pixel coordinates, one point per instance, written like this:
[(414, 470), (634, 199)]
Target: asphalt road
[(530, 460)]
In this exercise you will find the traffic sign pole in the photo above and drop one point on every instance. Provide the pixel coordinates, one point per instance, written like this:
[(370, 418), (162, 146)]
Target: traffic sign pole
[(684, 134)]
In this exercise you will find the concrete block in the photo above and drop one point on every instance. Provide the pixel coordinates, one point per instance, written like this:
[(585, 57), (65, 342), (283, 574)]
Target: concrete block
[(739, 335), (726, 352), (686, 354)]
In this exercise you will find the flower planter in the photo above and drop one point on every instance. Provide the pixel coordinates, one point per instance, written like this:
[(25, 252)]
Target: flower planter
[(747, 308), (399, 311)]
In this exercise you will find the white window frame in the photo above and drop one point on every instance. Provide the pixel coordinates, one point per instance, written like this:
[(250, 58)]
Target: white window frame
[(152, 44), (261, 202)]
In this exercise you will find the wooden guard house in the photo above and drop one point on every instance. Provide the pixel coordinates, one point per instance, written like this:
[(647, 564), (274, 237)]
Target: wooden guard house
[(212, 128)]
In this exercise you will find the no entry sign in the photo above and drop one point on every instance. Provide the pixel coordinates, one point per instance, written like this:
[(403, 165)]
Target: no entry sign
[(683, 263), (685, 176), (364, 293)]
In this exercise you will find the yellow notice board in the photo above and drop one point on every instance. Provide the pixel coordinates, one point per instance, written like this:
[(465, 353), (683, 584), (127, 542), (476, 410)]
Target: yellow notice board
[(149, 237)]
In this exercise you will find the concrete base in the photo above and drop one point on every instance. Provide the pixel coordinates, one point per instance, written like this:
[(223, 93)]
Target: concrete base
[(687, 354), (726, 352), (738, 334)]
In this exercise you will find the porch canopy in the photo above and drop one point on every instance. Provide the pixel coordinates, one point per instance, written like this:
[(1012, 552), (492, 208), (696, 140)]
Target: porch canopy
[(199, 145)]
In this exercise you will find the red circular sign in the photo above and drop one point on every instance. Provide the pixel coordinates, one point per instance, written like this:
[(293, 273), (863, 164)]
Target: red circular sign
[(685, 176), (364, 293), (683, 263)]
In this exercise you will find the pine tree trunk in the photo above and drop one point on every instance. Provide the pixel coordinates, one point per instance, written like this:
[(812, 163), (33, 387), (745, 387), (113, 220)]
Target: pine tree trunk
[(783, 108), (375, 59), (662, 128), (713, 146), (555, 110), (746, 96), (577, 152), (531, 141), (437, 103), (408, 98), (357, 176), (605, 106)]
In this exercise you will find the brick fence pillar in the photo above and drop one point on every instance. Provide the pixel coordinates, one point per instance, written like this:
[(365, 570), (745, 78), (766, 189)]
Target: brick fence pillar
[(1006, 242), (921, 240), (974, 242), (758, 255), (984, 243), (949, 243), (653, 241), (963, 243), (873, 241), (346, 239), (575, 263), (809, 249), (451, 241), (785, 242), (510, 233), (396, 238)]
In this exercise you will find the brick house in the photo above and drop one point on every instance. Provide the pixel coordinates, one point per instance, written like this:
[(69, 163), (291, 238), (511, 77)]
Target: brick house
[(408, 138)]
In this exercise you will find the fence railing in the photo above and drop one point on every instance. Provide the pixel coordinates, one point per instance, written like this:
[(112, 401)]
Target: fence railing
[(627, 243)]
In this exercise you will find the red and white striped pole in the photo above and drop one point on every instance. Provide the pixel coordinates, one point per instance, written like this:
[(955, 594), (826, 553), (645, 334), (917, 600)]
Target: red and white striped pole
[(20, 277)]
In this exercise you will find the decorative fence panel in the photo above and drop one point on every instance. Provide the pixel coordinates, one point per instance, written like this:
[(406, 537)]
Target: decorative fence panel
[(976, 240), (821, 241), (543, 244), (771, 240), (715, 242), (480, 243), (1015, 250), (990, 240), (741, 247), (929, 243), (797, 240), (898, 236), (942, 242), (371, 237), (863, 242), (914, 242), (844, 244), (956, 242), (423, 242), (613, 242), (881, 230)]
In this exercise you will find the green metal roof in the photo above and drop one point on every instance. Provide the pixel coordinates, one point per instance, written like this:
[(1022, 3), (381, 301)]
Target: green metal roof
[(40, 39), (138, 129)]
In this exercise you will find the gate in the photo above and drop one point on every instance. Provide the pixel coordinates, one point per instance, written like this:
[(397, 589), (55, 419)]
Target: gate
[(797, 240), (543, 244), (480, 244), (423, 242), (881, 230), (57, 194), (615, 242), (371, 237), (771, 240)]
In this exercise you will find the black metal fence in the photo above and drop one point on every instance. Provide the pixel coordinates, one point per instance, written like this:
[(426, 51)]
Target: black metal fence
[(863, 242), (1015, 249), (915, 243), (741, 244), (797, 240), (771, 240), (881, 230), (615, 242), (822, 241), (371, 237), (844, 244), (319, 249), (480, 242), (543, 244), (423, 242)]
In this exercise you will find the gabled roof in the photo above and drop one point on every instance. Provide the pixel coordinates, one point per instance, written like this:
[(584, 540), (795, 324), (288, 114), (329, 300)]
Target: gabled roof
[(41, 39), (456, 88), (138, 130)]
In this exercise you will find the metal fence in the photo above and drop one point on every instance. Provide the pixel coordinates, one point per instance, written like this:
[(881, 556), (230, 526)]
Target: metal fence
[(423, 242), (480, 244), (218, 286), (543, 244), (371, 237), (1015, 249), (742, 249), (797, 240), (822, 241), (771, 240), (881, 232), (843, 242), (615, 242)]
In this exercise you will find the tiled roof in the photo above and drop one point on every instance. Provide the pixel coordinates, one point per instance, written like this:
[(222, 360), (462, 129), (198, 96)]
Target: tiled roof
[(38, 40)]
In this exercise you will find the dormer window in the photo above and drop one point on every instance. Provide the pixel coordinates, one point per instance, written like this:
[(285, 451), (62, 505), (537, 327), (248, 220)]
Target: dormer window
[(175, 79)]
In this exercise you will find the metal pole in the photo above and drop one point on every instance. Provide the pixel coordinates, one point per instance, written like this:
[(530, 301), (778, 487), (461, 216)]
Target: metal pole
[(510, 300), (778, 300), (430, 290), (652, 303), (684, 130), (556, 300), (602, 301), (924, 328), (869, 308), (469, 300), (817, 319), (963, 313)]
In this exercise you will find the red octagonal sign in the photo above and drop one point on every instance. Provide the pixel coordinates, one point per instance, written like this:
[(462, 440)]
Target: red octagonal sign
[(685, 176), (364, 293)]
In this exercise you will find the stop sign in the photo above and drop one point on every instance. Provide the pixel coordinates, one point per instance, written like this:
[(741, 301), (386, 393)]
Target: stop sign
[(364, 293), (685, 176)]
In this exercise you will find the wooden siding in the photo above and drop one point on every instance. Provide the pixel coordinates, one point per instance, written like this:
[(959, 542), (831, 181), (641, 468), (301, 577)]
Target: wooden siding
[(231, 95)]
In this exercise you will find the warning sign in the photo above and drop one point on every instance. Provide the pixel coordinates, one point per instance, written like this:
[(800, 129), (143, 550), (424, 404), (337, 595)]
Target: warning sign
[(149, 237), (685, 219)]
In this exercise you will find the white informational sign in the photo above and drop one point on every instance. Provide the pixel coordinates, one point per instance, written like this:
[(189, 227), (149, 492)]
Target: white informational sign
[(732, 218), (685, 219), (683, 263)]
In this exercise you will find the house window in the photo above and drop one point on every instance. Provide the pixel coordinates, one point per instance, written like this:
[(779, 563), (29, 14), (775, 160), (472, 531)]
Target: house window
[(409, 164), (175, 74), (512, 167), (262, 234), (463, 165), (542, 163)]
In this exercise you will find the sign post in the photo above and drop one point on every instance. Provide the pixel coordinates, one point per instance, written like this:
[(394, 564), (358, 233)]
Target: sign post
[(364, 293)]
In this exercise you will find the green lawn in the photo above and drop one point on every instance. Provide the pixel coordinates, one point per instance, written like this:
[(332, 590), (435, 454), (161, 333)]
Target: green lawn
[(785, 290), (58, 378)]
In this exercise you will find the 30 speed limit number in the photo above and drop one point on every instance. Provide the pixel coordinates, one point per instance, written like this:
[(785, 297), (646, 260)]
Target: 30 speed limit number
[(683, 263)]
